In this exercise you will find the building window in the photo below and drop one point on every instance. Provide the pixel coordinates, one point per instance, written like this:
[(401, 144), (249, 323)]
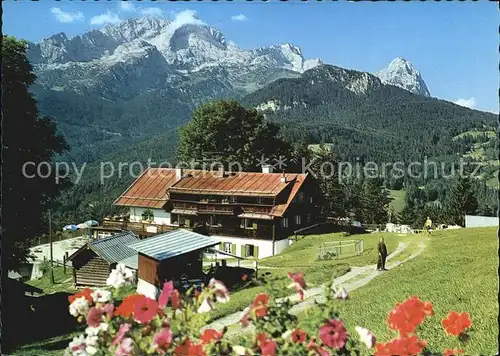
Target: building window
[(182, 220), (298, 219), (233, 199), (215, 221), (301, 197), (227, 247), (310, 199), (284, 222), (247, 224), (260, 200), (249, 250), (308, 218)]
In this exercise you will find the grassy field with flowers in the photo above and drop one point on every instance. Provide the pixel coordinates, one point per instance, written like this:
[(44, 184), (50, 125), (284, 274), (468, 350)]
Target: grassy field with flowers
[(458, 271)]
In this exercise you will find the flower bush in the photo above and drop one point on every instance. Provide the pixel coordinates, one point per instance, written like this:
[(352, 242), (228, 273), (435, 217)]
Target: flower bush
[(175, 324)]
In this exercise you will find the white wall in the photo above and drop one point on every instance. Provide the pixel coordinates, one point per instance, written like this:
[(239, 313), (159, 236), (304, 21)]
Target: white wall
[(161, 216), (265, 246), (480, 221)]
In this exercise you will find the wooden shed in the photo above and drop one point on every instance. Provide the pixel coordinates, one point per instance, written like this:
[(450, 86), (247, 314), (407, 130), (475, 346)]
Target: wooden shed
[(171, 255), (93, 262)]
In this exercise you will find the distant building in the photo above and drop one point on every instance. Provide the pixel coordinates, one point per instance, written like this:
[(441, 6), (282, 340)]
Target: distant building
[(250, 214), (480, 221)]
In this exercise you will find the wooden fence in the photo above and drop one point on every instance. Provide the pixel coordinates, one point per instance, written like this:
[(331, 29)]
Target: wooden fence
[(337, 249)]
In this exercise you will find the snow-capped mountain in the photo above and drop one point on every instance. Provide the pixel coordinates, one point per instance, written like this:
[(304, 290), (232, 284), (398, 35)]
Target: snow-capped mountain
[(403, 74), (152, 48)]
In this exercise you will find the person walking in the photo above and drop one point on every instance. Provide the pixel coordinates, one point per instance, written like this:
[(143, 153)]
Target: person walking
[(428, 225), (382, 255)]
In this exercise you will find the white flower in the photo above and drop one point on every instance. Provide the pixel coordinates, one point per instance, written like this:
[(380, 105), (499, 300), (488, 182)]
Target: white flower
[(94, 331), (101, 295), (220, 290), (286, 335), (80, 306), (77, 346), (240, 351), (341, 293), (366, 336), (120, 276), (206, 306)]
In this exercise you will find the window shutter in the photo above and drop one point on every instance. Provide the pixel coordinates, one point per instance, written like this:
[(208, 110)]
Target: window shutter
[(233, 248), (243, 251), (221, 246), (256, 252)]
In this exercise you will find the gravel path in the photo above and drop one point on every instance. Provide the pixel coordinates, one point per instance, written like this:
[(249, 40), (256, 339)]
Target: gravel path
[(354, 279)]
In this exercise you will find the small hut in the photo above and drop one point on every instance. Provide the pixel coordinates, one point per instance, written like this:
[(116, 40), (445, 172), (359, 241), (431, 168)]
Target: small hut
[(93, 262), (170, 256)]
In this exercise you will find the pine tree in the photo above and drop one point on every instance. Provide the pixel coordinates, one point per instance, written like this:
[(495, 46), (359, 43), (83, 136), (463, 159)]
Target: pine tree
[(461, 200)]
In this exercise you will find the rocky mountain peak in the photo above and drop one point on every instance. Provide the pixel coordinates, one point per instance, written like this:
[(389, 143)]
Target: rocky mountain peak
[(402, 73)]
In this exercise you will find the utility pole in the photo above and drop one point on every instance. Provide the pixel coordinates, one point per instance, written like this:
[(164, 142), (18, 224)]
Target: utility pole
[(51, 251)]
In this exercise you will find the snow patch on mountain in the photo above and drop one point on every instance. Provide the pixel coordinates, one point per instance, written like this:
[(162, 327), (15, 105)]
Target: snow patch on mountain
[(402, 73)]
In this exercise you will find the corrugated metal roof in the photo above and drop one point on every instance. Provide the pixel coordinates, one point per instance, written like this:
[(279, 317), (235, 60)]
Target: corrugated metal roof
[(115, 247), (173, 243), (132, 261)]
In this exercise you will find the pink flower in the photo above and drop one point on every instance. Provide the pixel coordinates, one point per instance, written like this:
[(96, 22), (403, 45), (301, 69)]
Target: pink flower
[(162, 340), (94, 317), (298, 283), (206, 306), (126, 347), (267, 346), (124, 328), (145, 309), (333, 334), (176, 299), (366, 336), (109, 310), (341, 293), (220, 290), (168, 288), (312, 346)]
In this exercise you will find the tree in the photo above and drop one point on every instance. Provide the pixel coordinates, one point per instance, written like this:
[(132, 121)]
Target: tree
[(375, 201), (460, 201), (235, 134), (29, 141)]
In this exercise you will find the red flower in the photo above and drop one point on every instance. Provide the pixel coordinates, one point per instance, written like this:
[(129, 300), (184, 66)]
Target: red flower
[(298, 278), (188, 348), (127, 307), (456, 323), (210, 335), (244, 277), (405, 317), (312, 346), (333, 334), (176, 299), (299, 336), (452, 352), (267, 346), (94, 317), (402, 346), (145, 309), (260, 305), (168, 288), (83, 293)]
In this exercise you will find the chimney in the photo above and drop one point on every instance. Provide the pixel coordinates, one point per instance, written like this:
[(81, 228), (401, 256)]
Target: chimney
[(179, 172), (221, 172), (267, 169), (283, 178)]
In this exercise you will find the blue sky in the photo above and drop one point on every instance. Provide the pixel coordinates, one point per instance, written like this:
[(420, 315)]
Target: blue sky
[(453, 44)]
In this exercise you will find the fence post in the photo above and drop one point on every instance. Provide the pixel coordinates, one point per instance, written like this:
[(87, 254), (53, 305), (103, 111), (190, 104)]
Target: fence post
[(64, 264)]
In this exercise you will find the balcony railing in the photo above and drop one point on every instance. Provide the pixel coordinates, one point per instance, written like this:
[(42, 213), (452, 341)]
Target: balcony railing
[(140, 228), (261, 232)]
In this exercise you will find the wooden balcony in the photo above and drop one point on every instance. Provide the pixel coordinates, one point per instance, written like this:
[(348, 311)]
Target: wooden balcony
[(264, 232), (140, 228)]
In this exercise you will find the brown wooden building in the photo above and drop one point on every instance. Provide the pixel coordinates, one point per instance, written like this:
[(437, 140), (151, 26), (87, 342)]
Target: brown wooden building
[(170, 256), (251, 214), (93, 262)]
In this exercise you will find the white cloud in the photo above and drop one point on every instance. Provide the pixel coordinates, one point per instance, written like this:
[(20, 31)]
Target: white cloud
[(468, 103), (152, 11), (67, 17), (127, 6), (108, 17), (239, 17), (185, 17)]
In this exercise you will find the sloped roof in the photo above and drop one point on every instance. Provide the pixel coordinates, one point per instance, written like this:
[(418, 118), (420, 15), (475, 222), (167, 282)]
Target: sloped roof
[(115, 247), (173, 243), (151, 189)]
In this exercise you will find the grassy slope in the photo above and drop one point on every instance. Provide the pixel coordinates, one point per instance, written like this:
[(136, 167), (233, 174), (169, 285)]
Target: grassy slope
[(301, 257), (398, 201), (457, 271), (63, 281)]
